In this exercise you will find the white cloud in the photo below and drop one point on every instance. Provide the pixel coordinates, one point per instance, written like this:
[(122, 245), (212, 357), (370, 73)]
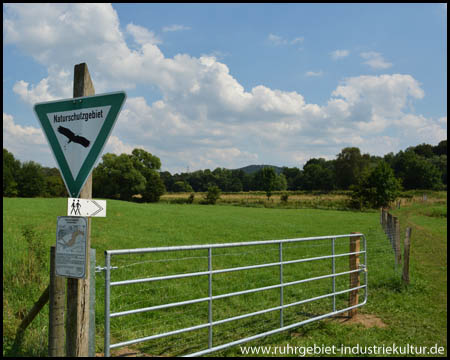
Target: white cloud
[(314, 73), (278, 40), (25, 142), (297, 40), (175, 27), (141, 35), (375, 60), (339, 54)]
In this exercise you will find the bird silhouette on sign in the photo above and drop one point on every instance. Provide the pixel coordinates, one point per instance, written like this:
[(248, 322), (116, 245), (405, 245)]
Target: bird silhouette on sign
[(72, 137)]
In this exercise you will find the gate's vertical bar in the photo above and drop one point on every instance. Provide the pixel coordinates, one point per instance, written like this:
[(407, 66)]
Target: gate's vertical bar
[(91, 344), (281, 282), (365, 268), (210, 297), (333, 268), (107, 300)]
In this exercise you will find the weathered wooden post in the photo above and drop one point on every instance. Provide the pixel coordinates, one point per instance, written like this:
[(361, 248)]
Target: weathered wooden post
[(56, 331), (384, 219), (354, 277), (406, 250), (396, 229), (77, 325)]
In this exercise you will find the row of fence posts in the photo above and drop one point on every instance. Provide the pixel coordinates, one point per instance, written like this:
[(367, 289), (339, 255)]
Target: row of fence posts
[(391, 227)]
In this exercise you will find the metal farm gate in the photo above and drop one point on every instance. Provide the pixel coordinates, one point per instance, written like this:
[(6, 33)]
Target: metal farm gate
[(354, 257)]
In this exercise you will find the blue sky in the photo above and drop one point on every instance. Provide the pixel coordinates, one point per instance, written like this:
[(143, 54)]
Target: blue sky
[(228, 85)]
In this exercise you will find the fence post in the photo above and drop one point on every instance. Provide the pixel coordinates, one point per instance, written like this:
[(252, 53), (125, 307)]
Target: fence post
[(354, 277), (398, 255), (56, 330), (405, 275)]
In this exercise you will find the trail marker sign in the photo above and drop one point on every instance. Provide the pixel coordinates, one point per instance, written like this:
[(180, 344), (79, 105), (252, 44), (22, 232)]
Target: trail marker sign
[(86, 207), (77, 130)]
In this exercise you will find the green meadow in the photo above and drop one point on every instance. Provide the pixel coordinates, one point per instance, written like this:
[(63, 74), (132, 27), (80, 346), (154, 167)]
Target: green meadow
[(414, 314)]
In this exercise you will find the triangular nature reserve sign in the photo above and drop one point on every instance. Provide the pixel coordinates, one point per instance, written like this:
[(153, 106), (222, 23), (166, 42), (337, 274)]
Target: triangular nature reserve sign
[(77, 130)]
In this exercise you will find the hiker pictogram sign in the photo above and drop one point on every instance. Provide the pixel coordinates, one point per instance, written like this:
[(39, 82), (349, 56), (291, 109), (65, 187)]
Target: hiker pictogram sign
[(77, 130), (86, 207)]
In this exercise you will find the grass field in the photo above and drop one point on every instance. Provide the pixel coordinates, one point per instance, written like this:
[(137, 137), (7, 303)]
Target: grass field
[(413, 315)]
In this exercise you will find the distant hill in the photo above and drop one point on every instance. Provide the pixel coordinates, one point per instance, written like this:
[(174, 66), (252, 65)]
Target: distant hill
[(250, 169)]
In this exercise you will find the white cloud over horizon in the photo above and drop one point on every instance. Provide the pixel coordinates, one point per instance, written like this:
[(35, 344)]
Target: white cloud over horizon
[(375, 60), (205, 118), (339, 54)]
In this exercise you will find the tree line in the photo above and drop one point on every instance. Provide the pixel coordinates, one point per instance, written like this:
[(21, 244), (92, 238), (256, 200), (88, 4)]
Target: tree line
[(137, 176)]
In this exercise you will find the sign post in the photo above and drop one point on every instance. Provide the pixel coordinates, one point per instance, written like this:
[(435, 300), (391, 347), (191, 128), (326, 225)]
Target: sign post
[(77, 325), (77, 130)]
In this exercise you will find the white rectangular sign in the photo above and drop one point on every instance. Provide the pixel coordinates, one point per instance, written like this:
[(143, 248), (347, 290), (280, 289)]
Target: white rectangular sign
[(71, 238), (86, 207)]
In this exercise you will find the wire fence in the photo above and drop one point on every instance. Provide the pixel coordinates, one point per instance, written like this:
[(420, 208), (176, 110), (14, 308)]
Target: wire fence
[(380, 263)]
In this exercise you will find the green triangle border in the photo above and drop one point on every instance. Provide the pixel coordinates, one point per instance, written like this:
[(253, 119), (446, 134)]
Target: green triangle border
[(115, 100)]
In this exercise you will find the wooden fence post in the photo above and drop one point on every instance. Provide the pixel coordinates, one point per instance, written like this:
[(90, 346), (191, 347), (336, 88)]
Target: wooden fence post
[(385, 221), (77, 325), (56, 331), (396, 233), (354, 277), (405, 275)]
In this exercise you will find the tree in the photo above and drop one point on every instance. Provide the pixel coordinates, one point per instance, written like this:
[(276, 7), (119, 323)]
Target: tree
[(425, 150), (31, 182), (267, 179), (376, 188), (318, 175), (212, 195), (416, 171), (116, 177), (280, 183), (348, 166), (148, 164), (154, 188), (182, 186), (291, 174), (441, 148), (11, 168)]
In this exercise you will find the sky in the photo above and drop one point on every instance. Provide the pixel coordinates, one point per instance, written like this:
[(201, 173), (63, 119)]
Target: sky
[(229, 85)]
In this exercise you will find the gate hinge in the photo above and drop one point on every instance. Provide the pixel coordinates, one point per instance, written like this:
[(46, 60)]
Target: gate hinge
[(363, 267)]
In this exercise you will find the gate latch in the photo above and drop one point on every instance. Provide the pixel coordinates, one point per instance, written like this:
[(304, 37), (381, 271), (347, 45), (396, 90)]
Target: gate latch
[(363, 267), (100, 269)]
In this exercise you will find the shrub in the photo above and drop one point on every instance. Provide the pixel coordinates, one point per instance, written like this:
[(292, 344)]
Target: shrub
[(212, 195), (190, 199), (284, 197), (376, 188)]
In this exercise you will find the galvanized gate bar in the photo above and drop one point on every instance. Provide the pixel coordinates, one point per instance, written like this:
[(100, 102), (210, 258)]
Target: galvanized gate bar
[(201, 273), (211, 298), (223, 245)]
